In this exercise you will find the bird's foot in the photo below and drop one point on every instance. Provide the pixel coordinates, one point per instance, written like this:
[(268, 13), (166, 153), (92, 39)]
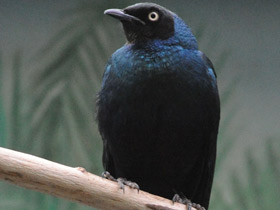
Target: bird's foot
[(107, 175), (121, 181), (187, 202)]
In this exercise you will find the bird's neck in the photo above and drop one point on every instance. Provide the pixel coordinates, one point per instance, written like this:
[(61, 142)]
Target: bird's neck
[(184, 35)]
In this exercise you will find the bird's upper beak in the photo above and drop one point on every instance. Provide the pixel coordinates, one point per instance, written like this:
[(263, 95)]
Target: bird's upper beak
[(122, 16)]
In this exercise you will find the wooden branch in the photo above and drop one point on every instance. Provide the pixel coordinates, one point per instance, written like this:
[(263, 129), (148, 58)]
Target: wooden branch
[(75, 184)]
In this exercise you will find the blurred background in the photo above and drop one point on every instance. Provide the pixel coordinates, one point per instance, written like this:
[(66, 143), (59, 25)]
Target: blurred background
[(52, 57)]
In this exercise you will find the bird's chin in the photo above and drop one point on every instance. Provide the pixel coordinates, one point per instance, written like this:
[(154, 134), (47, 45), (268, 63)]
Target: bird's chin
[(132, 34), (131, 38)]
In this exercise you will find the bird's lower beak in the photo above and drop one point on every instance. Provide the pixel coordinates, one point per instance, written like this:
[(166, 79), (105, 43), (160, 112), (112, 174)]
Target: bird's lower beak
[(120, 15)]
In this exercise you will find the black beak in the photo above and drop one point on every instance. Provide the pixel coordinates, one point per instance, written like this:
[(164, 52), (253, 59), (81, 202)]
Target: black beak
[(120, 15)]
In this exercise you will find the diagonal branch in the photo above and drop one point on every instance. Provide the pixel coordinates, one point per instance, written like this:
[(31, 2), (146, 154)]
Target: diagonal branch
[(75, 184)]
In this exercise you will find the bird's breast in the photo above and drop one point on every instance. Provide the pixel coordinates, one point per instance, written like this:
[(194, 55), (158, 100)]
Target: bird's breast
[(150, 97), (156, 58)]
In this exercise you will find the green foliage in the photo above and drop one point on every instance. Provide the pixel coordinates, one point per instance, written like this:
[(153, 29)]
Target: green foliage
[(49, 112), (15, 102), (261, 187), (2, 118)]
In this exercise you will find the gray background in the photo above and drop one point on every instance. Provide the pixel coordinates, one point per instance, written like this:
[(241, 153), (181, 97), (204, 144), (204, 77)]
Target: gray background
[(249, 30)]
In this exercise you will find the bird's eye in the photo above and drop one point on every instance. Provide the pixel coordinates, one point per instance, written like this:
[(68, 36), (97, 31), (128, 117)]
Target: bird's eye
[(153, 16)]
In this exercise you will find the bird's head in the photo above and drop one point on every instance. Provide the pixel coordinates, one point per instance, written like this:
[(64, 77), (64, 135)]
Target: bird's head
[(149, 21)]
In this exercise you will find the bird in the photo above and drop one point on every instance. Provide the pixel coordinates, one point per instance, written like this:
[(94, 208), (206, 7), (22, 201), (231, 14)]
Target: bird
[(158, 109)]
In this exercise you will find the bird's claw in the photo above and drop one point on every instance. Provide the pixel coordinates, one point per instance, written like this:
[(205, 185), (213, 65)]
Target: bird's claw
[(198, 206), (121, 181), (108, 176), (178, 199)]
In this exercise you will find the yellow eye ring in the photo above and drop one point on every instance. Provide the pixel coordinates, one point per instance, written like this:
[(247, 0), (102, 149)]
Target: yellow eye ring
[(153, 16)]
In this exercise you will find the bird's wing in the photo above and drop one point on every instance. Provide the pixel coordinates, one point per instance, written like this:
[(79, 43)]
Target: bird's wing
[(106, 72), (208, 63), (108, 163), (206, 172), (107, 160)]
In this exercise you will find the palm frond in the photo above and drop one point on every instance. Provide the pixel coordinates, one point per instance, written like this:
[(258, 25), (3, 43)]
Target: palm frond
[(14, 102), (2, 113)]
